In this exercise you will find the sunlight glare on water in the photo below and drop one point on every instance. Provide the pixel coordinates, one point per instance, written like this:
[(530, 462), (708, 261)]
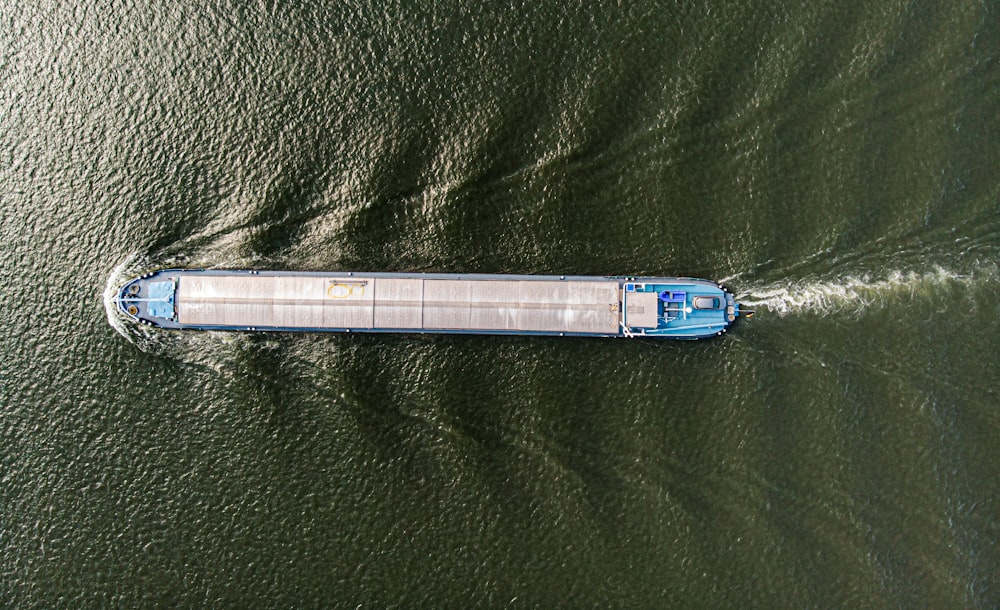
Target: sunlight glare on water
[(837, 162)]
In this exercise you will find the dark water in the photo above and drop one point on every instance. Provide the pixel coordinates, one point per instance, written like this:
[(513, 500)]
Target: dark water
[(835, 162)]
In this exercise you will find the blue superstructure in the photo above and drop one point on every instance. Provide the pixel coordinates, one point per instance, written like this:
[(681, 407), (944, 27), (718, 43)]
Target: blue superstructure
[(685, 308)]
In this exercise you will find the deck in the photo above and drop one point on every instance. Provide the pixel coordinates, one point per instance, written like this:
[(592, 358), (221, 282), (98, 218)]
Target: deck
[(356, 302)]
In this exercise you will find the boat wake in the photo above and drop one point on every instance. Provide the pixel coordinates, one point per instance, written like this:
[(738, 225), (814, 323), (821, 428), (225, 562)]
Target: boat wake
[(854, 294), (122, 273)]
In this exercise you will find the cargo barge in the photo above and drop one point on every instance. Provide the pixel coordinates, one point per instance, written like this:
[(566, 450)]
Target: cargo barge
[(591, 306)]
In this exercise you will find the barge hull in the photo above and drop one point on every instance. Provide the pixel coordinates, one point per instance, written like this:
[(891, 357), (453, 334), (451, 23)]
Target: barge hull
[(416, 302)]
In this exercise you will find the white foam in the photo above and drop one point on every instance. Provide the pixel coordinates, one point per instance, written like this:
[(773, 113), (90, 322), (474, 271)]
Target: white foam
[(133, 266), (115, 280), (852, 293)]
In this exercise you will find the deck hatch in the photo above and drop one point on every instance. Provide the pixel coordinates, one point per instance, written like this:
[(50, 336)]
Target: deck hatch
[(641, 309)]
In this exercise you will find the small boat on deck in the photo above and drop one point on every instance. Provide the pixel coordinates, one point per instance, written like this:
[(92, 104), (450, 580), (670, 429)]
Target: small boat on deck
[(560, 305)]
